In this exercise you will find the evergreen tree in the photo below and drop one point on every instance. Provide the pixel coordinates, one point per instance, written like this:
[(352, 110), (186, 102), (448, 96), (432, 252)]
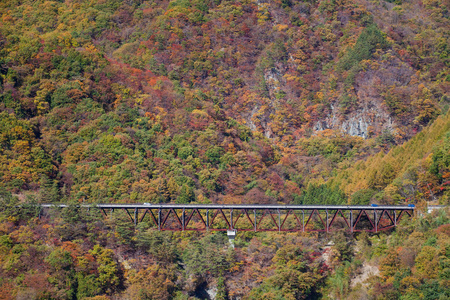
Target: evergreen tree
[(49, 191), (186, 195)]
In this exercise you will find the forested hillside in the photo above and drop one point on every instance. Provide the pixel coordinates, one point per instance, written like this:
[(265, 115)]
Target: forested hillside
[(220, 101), (229, 101)]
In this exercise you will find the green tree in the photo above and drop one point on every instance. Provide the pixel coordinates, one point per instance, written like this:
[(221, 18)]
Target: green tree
[(213, 154), (321, 194), (49, 191), (370, 39), (362, 197), (297, 276), (123, 227), (7, 204), (108, 272), (339, 282), (206, 257), (158, 244), (62, 272), (186, 195)]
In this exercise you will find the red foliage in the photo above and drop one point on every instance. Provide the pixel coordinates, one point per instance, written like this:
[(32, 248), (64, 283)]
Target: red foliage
[(445, 229)]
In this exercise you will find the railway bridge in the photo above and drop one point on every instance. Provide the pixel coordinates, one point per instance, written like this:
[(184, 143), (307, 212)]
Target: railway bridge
[(252, 217)]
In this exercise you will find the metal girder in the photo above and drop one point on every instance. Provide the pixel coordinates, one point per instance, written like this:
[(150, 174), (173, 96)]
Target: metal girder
[(358, 218), (238, 217)]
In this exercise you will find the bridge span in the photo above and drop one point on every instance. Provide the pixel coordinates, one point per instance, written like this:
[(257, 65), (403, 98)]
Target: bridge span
[(252, 217)]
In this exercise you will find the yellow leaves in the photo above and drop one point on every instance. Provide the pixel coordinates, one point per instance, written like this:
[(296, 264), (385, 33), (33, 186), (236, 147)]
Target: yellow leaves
[(65, 39), (74, 153), (431, 3), (176, 30), (174, 12), (200, 113), (391, 190), (22, 147), (427, 262), (422, 89), (370, 172), (61, 27), (428, 159), (6, 18), (367, 64), (278, 124), (290, 77), (427, 109), (161, 113), (319, 96), (329, 133), (207, 42), (326, 33), (299, 56), (236, 266), (23, 235), (139, 99), (151, 283), (40, 99), (201, 198), (90, 48), (409, 283), (12, 219), (27, 10), (261, 111), (263, 14), (389, 265), (281, 27), (231, 148)]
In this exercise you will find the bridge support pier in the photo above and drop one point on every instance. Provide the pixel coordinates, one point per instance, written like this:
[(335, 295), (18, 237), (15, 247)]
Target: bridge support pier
[(303, 220), (375, 220), (351, 221)]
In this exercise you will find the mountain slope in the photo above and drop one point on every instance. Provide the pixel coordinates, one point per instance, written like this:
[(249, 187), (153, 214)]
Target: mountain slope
[(237, 101)]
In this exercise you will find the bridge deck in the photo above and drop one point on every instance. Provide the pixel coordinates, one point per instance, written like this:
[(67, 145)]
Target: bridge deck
[(239, 206)]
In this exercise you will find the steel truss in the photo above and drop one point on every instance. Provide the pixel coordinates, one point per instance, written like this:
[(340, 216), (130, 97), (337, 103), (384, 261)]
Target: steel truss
[(319, 218)]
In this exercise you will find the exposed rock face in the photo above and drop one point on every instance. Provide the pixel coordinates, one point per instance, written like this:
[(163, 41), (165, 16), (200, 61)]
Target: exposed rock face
[(356, 126), (367, 271), (359, 123), (274, 80), (370, 115)]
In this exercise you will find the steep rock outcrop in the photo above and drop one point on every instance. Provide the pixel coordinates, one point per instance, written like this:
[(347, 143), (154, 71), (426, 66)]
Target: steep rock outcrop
[(371, 115)]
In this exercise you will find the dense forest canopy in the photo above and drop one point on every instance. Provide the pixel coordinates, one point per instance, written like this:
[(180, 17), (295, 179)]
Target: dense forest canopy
[(220, 101)]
